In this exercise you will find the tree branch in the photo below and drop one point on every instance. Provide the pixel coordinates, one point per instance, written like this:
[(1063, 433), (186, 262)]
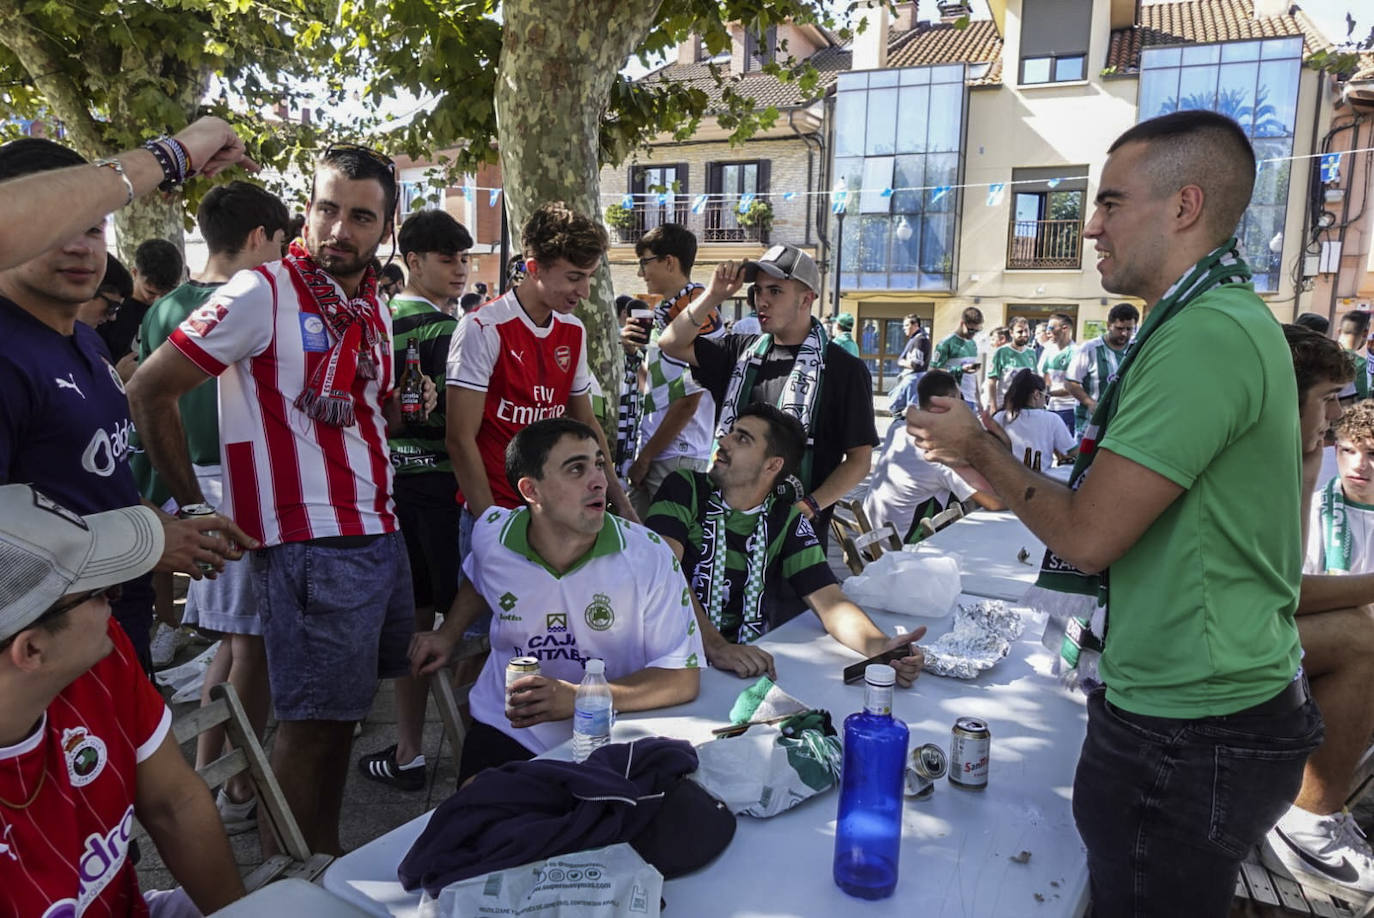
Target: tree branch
[(49, 74)]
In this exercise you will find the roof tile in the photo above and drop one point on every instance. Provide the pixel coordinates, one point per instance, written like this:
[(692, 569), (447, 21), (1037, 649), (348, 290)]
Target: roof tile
[(1204, 22)]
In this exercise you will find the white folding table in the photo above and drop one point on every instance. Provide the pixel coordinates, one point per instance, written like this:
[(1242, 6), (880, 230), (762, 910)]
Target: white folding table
[(1011, 850)]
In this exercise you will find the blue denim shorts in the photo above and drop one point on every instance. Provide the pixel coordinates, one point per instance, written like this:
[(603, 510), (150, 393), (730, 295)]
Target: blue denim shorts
[(334, 621)]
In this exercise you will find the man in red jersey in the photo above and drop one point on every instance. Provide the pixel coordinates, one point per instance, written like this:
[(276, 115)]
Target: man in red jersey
[(85, 740)]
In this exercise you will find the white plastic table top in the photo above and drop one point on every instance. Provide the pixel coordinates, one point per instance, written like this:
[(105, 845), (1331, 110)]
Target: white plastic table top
[(986, 545), (291, 896), (961, 850)]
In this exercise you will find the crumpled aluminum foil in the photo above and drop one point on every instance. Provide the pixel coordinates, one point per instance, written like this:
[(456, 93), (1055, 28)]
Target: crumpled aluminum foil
[(982, 635)]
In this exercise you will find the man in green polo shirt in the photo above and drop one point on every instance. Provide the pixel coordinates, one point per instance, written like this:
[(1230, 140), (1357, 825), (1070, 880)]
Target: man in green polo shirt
[(435, 248), (243, 226), (957, 354), (1196, 744), (739, 541), (1015, 355)]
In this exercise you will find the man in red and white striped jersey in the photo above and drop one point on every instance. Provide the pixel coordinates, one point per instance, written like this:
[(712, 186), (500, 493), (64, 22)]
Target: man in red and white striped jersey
[(302, 348), (85, 740)]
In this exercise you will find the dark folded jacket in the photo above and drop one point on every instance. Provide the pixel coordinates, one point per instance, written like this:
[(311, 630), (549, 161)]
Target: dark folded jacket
[(526, 811)]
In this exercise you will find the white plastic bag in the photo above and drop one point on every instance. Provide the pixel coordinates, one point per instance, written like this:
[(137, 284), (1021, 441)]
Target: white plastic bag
[(908, 584), (610, 882), (758, 774)]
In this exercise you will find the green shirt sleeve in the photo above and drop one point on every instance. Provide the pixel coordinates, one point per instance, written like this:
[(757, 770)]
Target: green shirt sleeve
[(942, 355), (1195, 388), (673, 513)]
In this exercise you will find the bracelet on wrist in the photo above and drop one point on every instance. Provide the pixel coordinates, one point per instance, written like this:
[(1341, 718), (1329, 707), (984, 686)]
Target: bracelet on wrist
[(812, 505), (118, 168), (171, 156)]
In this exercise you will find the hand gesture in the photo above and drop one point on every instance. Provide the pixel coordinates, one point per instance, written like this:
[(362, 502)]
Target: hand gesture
[(213, 147), (633, 336), (429, 651), (538, 699), (726, 281), (908, 667)]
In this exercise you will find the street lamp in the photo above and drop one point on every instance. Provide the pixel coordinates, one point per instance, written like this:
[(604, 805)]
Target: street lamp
[(839, 201)]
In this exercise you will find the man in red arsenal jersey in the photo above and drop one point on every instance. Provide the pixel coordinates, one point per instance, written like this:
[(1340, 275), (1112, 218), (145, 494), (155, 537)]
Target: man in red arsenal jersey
[(85, 740), (523, 358)]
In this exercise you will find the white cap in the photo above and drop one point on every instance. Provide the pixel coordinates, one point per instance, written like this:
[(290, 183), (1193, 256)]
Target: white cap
[(596, 667), (47, 552), (880, 674)]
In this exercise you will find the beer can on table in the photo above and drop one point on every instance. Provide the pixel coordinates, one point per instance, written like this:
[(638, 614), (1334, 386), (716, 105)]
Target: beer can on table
[(970, 746), (519, 668), (925, 766)]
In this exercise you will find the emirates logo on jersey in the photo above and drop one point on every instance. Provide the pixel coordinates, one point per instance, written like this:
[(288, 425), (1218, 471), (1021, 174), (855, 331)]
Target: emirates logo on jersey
[(85, 755), (562, 355)]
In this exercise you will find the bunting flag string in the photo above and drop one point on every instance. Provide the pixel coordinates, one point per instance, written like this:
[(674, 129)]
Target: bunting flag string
[(1329, 165)]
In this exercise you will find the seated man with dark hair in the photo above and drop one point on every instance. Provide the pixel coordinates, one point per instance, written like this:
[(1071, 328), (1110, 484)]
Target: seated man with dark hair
[(85, 740), (569, 583), (739, 543), (905, 488)]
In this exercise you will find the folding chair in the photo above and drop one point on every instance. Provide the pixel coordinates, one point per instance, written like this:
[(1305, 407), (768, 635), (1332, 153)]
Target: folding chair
[(448, 698), (859, 542), (247, 755), (934, 524)]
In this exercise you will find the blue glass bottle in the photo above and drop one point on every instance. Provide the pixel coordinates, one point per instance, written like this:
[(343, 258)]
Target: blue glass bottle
[(868, 831)]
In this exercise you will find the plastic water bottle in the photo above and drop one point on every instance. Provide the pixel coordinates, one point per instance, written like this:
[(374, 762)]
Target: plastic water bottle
[(868, 832), (592, 712)]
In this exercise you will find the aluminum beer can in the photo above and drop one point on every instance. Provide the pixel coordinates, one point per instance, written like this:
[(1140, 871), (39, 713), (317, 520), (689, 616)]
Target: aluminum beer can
[(191, 512), (519, 668), (925, 766), (970, 746)]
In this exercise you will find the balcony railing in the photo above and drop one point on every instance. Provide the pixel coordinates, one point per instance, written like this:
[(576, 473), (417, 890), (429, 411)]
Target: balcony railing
[(1045, 244), (647, 216), (718, 222), (722, 224)]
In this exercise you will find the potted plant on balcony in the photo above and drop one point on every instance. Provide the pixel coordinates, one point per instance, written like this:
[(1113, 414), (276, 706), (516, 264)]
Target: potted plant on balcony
[(757, 216), (621, 219)]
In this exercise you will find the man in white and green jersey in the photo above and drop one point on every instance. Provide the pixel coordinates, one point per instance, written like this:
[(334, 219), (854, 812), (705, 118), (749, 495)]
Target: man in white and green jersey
[(1095, 362), (1054, 366), (1354, 337), (568, 583), (244, 226), (435, 248), (1006, 360), (958, 354)]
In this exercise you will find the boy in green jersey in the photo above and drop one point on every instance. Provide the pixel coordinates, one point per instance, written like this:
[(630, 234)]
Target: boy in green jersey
[(435, 248), (243, 226)]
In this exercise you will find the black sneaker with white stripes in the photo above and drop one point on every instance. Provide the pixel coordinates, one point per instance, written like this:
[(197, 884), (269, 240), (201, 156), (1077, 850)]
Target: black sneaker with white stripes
[(382, 767)]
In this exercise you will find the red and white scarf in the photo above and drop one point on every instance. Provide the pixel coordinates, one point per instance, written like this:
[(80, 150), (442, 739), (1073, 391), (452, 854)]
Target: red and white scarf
[(358, 329)]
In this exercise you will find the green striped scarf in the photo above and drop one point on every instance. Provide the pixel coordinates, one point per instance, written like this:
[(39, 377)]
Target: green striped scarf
[(1337, 543), (1076, 598)]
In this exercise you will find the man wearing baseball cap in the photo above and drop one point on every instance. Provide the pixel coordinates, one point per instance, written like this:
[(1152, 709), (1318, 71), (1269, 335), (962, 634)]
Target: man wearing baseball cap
[(792, 365), (85, 740)]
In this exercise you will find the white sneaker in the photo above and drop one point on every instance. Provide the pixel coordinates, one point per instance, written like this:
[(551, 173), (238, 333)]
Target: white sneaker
[(1330, 853), (165, 644), (237, 817)]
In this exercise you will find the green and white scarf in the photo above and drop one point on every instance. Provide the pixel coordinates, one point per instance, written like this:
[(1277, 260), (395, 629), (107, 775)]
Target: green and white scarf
[(800, 393), (1063, 590), (1337, 543), (1108, 363), (714, 551)]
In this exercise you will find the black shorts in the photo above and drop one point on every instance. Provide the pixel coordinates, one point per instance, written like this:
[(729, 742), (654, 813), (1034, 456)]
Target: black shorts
[(428, 514), (487, 747)]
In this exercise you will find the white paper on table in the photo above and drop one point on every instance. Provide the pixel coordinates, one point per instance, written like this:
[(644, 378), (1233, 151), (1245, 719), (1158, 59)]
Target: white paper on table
[(907, 584), (610, 882)]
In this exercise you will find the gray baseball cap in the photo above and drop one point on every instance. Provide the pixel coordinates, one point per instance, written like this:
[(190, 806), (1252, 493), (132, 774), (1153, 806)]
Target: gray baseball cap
[(786, 261), (47, 552)]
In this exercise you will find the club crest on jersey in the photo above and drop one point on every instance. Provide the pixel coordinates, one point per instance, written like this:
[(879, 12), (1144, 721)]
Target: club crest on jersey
[(204, 319), (114, 375), (599, 614), (562, 355), (85, 754), (556, 621)]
